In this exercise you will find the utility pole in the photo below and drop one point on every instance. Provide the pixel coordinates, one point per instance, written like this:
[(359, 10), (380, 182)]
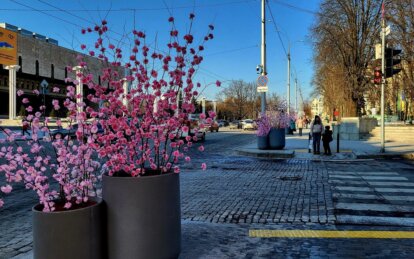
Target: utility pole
[(288, 81), (263, 54), (296, 94), (383, 82)]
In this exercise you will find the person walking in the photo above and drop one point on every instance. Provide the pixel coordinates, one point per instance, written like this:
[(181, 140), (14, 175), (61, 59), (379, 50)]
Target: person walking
[(25, 127), (326, 139), (316, 129), (299, 125)]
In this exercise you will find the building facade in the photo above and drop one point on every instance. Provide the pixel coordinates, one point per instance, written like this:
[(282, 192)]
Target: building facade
[(41, 59)]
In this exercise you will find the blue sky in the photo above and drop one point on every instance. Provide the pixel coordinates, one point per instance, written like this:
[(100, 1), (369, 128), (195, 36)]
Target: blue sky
[(233, 54)]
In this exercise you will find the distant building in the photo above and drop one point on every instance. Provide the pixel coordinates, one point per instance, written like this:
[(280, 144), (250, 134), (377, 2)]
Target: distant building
[(317, 106), (40, 58)]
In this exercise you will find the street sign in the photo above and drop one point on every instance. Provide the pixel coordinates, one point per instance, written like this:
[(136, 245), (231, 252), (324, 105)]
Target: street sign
[(262, 81), (262, 89)]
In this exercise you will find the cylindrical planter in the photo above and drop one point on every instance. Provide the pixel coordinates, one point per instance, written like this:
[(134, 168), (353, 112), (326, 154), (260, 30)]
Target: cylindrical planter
[(277, 138), (69, 234), (143, 216), (263, 142)]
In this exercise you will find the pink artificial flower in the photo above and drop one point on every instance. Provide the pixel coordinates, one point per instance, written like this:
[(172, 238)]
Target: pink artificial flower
[(68, 205), (20, 92), (6, 189), (218, 83), (202, 116), (1, 203), (176, 169), (187, 159), (171, 19), (36, 92), (201, 148), (203, 166), (83, 46), (25, 100), (185, 129), (56, 89)]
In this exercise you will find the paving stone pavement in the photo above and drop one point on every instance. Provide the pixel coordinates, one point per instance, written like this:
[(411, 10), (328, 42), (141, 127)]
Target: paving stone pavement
[(236, 194), (241, 190)]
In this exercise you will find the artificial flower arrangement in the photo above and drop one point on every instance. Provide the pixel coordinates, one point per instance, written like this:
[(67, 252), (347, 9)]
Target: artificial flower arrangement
[(142, 127)]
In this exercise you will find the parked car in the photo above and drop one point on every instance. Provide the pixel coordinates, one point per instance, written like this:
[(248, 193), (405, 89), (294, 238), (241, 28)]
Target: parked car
[(223, 123), (214, 126), (71, 132), (192, 123), (248, 125), (235, 125)]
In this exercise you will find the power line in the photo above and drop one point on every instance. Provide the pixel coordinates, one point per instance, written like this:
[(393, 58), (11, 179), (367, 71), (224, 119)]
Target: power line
[(129, 9), (277, 29), (232, 50), (297, 8)]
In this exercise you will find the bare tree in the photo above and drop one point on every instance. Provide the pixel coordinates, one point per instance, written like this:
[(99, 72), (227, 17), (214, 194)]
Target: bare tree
[(400, 13), (239, 100), (345, 34)]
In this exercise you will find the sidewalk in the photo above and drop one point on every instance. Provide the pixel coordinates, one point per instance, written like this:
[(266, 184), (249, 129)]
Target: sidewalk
[(297, 146)]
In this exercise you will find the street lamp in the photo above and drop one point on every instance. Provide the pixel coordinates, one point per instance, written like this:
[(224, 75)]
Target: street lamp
[(288, 76)]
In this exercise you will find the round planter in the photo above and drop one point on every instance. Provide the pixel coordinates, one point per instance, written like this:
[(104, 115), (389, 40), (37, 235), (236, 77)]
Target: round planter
[(277, 138), (263, 142), (143, 216), (69, 234)]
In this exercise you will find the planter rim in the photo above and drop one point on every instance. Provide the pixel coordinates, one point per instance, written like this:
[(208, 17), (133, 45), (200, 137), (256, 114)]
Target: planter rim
[(98, 202), (138, 177)]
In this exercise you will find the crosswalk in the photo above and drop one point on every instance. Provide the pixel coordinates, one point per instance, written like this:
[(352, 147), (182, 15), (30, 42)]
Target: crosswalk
[(373, 198)]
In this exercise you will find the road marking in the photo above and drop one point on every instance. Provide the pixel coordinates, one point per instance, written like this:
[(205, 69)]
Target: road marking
[(392, 183), (394, 190), (373, 207), (354, 189), (263, 233), (395, 178)]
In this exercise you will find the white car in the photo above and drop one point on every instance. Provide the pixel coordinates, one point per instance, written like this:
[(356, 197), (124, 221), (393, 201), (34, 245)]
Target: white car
[(248, 125)]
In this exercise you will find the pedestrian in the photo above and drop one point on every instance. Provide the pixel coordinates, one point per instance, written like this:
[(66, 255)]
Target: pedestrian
[(25, 127), (316, 129), (326, 139), (299, 125)]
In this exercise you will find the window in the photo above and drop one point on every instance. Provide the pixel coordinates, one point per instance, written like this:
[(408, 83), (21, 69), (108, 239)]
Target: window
[(52, 71), (37, 67), (20, 64)]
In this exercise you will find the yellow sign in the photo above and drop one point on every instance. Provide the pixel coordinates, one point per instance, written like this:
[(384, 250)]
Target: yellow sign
[(8, 47)]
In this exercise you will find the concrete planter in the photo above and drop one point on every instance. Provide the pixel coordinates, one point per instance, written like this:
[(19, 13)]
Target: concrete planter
[(277, 138), (263, 142), (143, 216), (69, 234)]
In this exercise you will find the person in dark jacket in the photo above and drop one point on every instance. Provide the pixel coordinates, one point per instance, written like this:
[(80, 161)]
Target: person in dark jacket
[(326, 139)]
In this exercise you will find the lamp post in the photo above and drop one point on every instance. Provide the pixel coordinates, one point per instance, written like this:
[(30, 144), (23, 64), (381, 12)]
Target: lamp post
[(79, 87)]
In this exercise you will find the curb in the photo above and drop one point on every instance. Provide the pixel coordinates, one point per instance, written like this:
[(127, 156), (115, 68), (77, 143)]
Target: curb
[(374, 220), (275, 154), (386, 156)]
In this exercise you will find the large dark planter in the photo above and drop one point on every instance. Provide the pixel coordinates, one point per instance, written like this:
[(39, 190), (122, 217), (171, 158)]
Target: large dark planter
[(143, 216), (277, 138), (69, 234), (263, 142)]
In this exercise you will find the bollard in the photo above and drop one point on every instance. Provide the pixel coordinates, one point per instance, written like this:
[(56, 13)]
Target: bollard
[(337, 141), (309, 144)]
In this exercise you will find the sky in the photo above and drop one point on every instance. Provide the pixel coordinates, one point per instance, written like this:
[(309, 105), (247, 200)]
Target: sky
[(232, 55)]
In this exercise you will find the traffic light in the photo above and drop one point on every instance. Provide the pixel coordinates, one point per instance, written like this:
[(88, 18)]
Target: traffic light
[(391, 62), (377, 75)]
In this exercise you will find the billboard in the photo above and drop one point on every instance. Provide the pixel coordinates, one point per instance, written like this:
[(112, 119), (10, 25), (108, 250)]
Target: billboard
[(8, 47)]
